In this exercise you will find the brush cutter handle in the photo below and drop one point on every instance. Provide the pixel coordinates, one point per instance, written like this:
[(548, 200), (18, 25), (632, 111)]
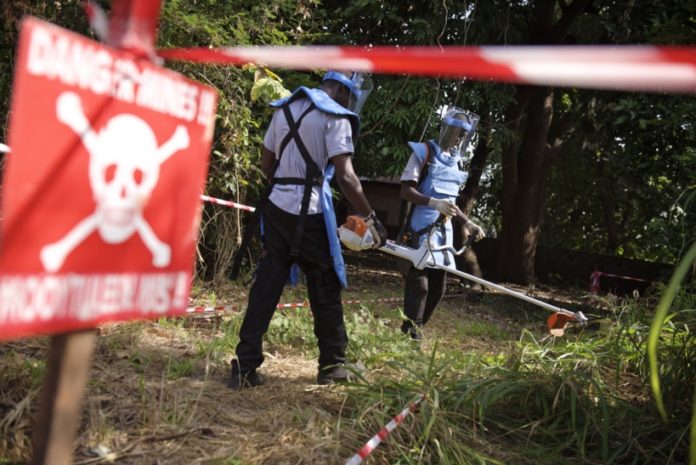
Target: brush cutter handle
[(448, 248)]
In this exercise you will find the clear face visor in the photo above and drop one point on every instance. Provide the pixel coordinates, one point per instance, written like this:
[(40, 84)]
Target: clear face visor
[(458, 127), (359, 84)]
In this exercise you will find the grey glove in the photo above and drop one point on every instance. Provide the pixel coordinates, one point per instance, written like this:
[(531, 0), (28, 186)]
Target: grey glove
[(379, 232), (444, 206)]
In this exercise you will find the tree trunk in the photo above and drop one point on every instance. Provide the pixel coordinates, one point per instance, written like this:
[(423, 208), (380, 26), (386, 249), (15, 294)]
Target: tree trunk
[(526, 160), (608, 203), (524, 172)]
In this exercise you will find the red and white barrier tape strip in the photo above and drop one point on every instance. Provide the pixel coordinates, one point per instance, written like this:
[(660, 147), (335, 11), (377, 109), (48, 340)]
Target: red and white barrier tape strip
[(383, 300), (630, 278), (646, 68), (218, 309), (227, 203), (98, 20), (377, 439), (133, 25), (594, 280), (235, 308)]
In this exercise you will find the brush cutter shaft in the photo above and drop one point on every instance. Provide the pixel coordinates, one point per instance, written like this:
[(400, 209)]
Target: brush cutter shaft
[(422, 257), (578, 316)]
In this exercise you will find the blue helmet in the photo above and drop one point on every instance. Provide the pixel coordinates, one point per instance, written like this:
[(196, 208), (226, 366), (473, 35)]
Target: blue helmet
[(457, 129), (358, 83)]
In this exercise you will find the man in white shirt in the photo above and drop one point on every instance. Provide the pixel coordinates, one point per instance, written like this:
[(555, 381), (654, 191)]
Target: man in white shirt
[(310, 139)]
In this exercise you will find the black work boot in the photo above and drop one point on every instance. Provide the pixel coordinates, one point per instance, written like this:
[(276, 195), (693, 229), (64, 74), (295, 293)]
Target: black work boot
[(416, 334), (338, 373), (413, 330), (246, 379)]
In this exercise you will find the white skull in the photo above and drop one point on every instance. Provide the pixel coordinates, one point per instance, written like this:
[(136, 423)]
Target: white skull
[(123, 172)]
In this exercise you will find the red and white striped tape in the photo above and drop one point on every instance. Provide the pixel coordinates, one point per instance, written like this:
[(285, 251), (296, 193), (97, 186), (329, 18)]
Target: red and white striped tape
[(133, 25), (377, 439), (630, 278), (98, 20), (594, 281), (218, 309), (383, 300), (642, 67), (596, 275), (235, 308), (227, 203)]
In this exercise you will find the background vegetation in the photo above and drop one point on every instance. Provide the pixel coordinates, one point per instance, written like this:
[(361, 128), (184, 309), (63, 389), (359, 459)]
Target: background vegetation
[(597, 171), (600, 171)]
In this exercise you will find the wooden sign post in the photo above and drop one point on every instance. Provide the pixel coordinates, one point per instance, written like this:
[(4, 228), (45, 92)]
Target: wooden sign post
[(69, 360)]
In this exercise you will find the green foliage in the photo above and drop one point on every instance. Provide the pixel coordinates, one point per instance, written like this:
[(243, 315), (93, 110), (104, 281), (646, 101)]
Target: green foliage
[(635, 182), (268, 89), (679, 362), (234, 172), (625, 172), (225, 343)]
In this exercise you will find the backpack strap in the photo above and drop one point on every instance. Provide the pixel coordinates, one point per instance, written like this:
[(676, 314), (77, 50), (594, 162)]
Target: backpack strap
[(407, 234), (263, 198), (313, 177)]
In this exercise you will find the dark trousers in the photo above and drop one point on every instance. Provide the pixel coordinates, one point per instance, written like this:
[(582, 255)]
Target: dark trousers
[(423, 291), (323, 288)]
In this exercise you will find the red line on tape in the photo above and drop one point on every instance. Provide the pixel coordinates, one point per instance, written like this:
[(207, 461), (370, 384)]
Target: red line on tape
[(642, 67), (227, 203), (383, 433)]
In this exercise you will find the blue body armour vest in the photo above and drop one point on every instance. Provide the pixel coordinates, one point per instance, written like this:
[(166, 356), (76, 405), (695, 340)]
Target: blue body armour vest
[(442, 181), (326, 104)]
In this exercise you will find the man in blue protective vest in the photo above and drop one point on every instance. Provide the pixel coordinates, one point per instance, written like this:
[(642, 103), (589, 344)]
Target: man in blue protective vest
[(431, 182), (310, 138)]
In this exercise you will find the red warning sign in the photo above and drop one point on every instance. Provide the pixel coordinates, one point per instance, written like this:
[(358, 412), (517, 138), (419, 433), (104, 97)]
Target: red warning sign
[(101, 192)]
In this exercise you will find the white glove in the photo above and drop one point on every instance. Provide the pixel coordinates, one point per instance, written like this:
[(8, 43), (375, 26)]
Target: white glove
[(444, 206), (475, 230)]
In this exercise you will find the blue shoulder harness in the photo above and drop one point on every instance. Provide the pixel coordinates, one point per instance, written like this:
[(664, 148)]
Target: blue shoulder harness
[(420, 149), (324, 103)]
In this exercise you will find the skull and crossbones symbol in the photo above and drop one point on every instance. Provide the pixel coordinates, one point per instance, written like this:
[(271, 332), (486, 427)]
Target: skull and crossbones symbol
[(124, 167)]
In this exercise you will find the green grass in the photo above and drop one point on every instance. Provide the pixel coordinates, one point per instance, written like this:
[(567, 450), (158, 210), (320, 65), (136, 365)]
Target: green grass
[(578, 399), (481, 329), (499, 390), (518, 396), (582, 398), (180, 368)]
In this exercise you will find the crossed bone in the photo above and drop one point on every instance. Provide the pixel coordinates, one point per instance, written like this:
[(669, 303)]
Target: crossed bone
[(119, 202)]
